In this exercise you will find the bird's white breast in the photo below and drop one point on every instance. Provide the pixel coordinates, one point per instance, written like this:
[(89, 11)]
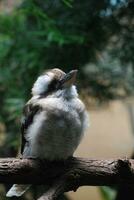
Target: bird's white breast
[(57, 130)]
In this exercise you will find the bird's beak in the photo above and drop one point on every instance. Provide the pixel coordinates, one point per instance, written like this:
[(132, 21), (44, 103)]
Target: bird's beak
[(69, 79)]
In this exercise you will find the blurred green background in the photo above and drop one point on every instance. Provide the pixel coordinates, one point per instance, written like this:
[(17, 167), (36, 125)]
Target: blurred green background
[(95, 37)]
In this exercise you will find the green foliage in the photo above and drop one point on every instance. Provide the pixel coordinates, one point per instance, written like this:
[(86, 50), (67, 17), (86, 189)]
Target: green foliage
[(111, 78), (68, 3), (108, 193)]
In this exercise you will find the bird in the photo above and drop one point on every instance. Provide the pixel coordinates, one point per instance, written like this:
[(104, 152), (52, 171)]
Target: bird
[(54, 120)]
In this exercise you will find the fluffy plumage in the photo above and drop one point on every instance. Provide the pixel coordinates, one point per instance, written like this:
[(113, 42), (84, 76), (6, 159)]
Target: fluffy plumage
[(54, 120), (41, 85)]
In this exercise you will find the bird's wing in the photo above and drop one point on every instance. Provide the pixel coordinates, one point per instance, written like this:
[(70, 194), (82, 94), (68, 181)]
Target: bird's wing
[(29, 112)]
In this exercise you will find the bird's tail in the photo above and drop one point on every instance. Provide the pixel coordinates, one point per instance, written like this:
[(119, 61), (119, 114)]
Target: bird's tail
[(17, 190)]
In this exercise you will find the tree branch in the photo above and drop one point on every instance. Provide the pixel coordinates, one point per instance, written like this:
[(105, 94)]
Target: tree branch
[(69, 175)]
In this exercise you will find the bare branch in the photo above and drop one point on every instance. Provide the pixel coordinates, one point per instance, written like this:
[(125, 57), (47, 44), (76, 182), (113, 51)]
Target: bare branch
[(69, 175)]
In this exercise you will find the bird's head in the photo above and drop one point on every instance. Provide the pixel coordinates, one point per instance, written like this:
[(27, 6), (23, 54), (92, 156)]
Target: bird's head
[(52, 81)]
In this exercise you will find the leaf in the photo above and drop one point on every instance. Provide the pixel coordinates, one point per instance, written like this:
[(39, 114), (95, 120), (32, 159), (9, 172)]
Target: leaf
[(108, 193), (68, 3)]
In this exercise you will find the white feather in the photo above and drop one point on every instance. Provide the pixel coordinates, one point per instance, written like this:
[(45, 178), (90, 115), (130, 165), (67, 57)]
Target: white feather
[(68, 93), (50, 136), (32, 135), (41, 84), (17, 190)]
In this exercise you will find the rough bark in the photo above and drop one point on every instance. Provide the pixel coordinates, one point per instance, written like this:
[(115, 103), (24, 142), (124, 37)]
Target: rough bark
[(65, 176), (125, 191)]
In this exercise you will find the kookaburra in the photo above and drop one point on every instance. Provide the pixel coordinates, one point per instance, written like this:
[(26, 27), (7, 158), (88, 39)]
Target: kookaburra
[(54, 120)]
